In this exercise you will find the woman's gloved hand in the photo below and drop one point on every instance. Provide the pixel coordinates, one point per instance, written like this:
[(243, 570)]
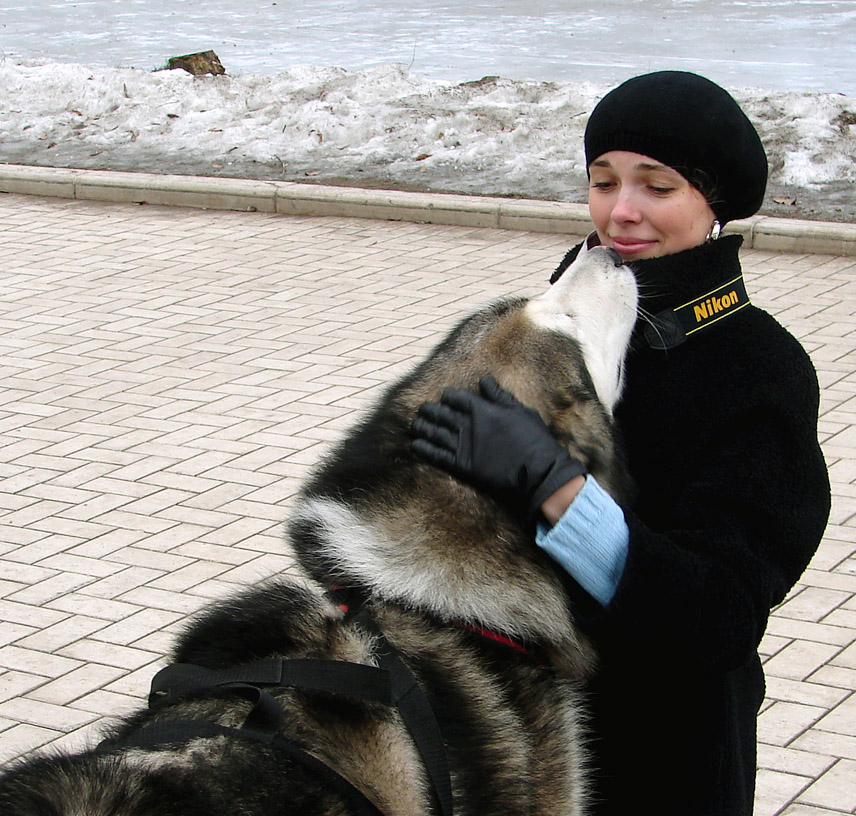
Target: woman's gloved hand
[(496, 443)]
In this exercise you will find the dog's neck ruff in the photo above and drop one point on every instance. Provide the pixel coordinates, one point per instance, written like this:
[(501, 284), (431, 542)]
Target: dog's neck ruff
[(350, 601), (531, 652)]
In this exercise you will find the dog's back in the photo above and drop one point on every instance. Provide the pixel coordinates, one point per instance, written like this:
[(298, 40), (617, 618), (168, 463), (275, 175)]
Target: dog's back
[(510, 729), (365, 742), (439, 575)]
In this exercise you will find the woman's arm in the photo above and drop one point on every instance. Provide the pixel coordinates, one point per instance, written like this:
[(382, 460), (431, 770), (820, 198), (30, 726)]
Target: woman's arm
[(556, 504), (590, 538)]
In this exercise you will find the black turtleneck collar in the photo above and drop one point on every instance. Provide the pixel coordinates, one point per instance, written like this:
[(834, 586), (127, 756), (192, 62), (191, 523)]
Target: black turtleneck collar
[(672, 280), (682, 293)]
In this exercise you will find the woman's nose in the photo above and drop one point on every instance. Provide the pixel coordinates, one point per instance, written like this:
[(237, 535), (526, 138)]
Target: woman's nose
[(625, 208)]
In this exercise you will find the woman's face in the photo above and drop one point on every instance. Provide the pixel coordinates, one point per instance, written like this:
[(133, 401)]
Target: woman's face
[(644, 209)]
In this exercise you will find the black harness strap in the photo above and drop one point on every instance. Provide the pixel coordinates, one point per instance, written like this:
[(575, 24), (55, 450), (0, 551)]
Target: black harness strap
[(415, 709), (353, 680), (391, 684), (179, 732)]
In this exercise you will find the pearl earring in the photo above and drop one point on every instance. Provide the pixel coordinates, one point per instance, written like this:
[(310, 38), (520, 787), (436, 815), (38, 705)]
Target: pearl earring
[(715, 231)]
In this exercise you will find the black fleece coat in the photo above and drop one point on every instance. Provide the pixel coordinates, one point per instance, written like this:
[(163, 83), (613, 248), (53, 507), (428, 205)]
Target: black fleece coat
[(733, 498)]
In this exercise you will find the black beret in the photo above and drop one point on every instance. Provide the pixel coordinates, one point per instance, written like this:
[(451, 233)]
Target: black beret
[(690, 124)]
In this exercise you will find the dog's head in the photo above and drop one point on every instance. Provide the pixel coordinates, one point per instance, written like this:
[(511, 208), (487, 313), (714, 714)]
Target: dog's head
[(561, 353), (594, 303)]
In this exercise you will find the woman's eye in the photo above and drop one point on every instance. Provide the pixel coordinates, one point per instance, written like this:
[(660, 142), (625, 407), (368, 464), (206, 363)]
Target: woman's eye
[(601, 185), (658, 190)]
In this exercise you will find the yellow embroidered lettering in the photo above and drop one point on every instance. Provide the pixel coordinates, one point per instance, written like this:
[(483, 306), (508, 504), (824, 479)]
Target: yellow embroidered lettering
[(714, 305)]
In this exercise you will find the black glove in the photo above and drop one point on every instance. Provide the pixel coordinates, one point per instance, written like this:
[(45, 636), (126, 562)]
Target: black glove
[(496, 443)]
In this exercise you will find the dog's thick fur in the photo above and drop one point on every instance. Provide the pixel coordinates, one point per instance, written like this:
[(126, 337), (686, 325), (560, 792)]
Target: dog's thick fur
[(434, 558)]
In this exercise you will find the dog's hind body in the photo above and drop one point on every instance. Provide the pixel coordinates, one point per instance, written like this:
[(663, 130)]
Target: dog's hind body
[(441, 572)]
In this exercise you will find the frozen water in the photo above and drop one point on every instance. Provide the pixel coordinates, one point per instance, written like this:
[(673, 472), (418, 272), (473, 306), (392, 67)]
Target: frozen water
[(802, 45), (383, 92)]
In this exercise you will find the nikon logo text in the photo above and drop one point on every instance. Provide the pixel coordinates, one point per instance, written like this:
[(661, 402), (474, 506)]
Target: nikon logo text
[(715, 305)]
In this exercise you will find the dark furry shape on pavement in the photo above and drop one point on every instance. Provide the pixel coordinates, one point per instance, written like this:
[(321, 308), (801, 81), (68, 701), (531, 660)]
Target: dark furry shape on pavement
[(455, 605)]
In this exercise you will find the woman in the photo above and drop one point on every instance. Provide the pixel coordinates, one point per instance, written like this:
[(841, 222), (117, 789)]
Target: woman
[(719, 415)]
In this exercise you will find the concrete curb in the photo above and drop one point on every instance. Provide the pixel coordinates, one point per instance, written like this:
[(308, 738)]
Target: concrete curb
[(291, 198)]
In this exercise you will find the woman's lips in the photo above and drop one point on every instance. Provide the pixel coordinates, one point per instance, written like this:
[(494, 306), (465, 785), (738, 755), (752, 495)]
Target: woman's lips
[(631, 246)]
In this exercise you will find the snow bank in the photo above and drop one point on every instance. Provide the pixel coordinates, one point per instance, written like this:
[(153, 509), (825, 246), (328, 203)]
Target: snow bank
[(492, 136)]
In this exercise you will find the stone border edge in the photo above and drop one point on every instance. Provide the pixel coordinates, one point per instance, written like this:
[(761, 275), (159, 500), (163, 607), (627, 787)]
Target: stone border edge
[(294, 198)]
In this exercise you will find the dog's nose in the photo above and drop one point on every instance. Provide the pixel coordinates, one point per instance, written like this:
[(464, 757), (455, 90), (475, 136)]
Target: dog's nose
[(616, 258)]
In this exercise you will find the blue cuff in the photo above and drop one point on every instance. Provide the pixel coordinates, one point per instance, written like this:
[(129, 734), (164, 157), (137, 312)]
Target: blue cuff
[(589, 541)]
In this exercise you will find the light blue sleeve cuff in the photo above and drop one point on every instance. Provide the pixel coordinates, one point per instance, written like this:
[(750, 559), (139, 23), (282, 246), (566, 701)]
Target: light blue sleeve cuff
[(589, 541)]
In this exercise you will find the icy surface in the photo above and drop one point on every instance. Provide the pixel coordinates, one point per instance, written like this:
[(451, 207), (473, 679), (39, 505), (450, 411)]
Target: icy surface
[(800, 45), (389, 92)]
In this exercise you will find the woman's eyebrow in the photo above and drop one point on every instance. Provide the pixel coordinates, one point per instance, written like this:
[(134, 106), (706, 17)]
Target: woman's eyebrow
[(641, 166), (652, 166)]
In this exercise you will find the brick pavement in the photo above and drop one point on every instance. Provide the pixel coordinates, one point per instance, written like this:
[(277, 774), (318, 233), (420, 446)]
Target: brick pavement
[(169, 376)]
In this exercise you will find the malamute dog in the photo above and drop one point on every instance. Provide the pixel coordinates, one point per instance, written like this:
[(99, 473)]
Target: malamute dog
[(429, 664)]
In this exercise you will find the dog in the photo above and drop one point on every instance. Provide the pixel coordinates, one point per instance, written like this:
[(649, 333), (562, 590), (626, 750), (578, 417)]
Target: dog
[(429, 662)]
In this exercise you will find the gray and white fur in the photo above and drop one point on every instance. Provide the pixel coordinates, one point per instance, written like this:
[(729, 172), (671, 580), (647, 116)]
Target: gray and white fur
[(434, 560)]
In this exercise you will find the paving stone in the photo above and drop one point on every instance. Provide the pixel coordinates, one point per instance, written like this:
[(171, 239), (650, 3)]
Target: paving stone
[(99, 701), (44, 715), (169, 377), (846, 658), (813, 603), (782, 722), (131, 630), (17, 683), (23, 737), (800, 659), (842, 718), (34, 662), (13, 632), (80, 739), (53, 638), (94, 607), (792, 761), (809, 810), (774, 790), (794, 691), (835, 788), (76, 684), (836, 677), (116, 586), (826, 743), (110, 654)]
